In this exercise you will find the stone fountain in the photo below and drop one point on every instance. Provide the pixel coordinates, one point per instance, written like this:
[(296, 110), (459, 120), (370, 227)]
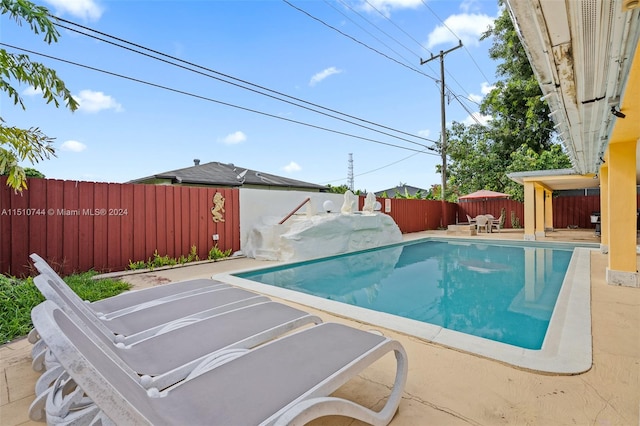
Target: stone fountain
[(308, 236)]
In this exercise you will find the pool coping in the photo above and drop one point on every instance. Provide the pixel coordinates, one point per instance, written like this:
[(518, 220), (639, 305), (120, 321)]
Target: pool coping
[(567, 347)]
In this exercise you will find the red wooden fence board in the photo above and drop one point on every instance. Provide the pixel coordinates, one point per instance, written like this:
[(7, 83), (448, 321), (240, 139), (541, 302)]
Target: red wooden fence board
[(127, 228), (233, 227), (204, 231), (54, 204), (70, 215), (161, 220), (85, 235), (5, 226), (177, 221), (139, 214), (20, 230), (114, 233), (193, 215), (149, 224), (38, 220), (100, 227), (169, 232)]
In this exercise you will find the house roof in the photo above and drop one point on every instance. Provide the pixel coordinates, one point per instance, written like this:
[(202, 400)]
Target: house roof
[(400, 189), (221, 174)]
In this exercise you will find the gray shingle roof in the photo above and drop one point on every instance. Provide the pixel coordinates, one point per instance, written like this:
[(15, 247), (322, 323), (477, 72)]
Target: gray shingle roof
[(411, 190), (221, 174)]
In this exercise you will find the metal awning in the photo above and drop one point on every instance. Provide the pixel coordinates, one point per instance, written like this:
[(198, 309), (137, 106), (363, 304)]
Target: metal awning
[(556, 180), (581, 53)]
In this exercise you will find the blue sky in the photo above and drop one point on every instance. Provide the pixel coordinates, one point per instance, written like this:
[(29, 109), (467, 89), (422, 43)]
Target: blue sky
[(360, 58)]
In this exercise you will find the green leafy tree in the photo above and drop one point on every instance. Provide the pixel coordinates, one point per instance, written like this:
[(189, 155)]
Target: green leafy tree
[(526, 159), (476, 161), (480, 155), (31, 144), (419, 195), (344, 188), (518, 114), (30, 172)]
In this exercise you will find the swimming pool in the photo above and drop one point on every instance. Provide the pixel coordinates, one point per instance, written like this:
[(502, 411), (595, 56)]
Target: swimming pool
[(510, 301)]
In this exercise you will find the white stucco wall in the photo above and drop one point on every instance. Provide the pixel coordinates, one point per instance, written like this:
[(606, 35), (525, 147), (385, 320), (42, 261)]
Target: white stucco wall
[(258, 203)]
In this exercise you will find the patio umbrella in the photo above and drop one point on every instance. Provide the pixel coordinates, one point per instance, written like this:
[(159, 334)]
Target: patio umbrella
[(484, 194)]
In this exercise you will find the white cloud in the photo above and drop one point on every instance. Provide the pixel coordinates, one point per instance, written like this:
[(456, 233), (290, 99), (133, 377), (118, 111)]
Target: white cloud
[(32, 91), (292, 167), (317, 78), (386, 6), (233, 138), (73, 146), (486, 88), (468, 5), (88, 10), (482, 119), (424, 133), (467, 26), (475, 98), (91, 101)]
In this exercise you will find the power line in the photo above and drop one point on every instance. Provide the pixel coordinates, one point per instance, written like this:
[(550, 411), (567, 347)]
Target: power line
[(182, 92), (239, 83), (379, 168), (358, 41), (376, 27), (398, 27), (436, 81), (456, 36)]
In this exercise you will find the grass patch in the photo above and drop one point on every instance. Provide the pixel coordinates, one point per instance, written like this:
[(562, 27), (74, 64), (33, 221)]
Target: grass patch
[(19, 296)]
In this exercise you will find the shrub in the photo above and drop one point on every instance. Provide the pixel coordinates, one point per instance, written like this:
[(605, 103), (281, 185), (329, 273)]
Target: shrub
[(215, 253)]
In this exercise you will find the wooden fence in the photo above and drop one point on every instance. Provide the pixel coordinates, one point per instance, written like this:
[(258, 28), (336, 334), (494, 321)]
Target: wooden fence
[(79, 226), (575, 211), (417, 215)]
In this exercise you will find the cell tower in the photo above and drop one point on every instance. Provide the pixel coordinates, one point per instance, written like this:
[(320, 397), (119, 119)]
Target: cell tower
[(350, 174)]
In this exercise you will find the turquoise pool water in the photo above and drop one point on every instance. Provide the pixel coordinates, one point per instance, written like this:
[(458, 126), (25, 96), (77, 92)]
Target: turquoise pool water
[(503, 292)]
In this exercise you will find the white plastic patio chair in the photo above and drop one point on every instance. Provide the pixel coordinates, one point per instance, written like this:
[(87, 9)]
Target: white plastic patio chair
[(496, 224), (482, 222)]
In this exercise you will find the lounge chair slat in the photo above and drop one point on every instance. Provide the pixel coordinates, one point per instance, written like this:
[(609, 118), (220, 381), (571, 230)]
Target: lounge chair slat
[(138, 321), (136, 297), (130, 299), (171, 350)]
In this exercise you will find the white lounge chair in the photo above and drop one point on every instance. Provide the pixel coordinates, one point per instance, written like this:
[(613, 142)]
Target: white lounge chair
[(138, 298), (286, 381), (170, 356), (139, 324)]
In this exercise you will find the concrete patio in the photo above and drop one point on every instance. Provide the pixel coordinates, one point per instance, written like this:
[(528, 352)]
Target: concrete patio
[(445, 386)]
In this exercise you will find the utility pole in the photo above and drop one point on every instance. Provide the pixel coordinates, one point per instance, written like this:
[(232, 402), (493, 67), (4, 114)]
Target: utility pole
[(443, 121)]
